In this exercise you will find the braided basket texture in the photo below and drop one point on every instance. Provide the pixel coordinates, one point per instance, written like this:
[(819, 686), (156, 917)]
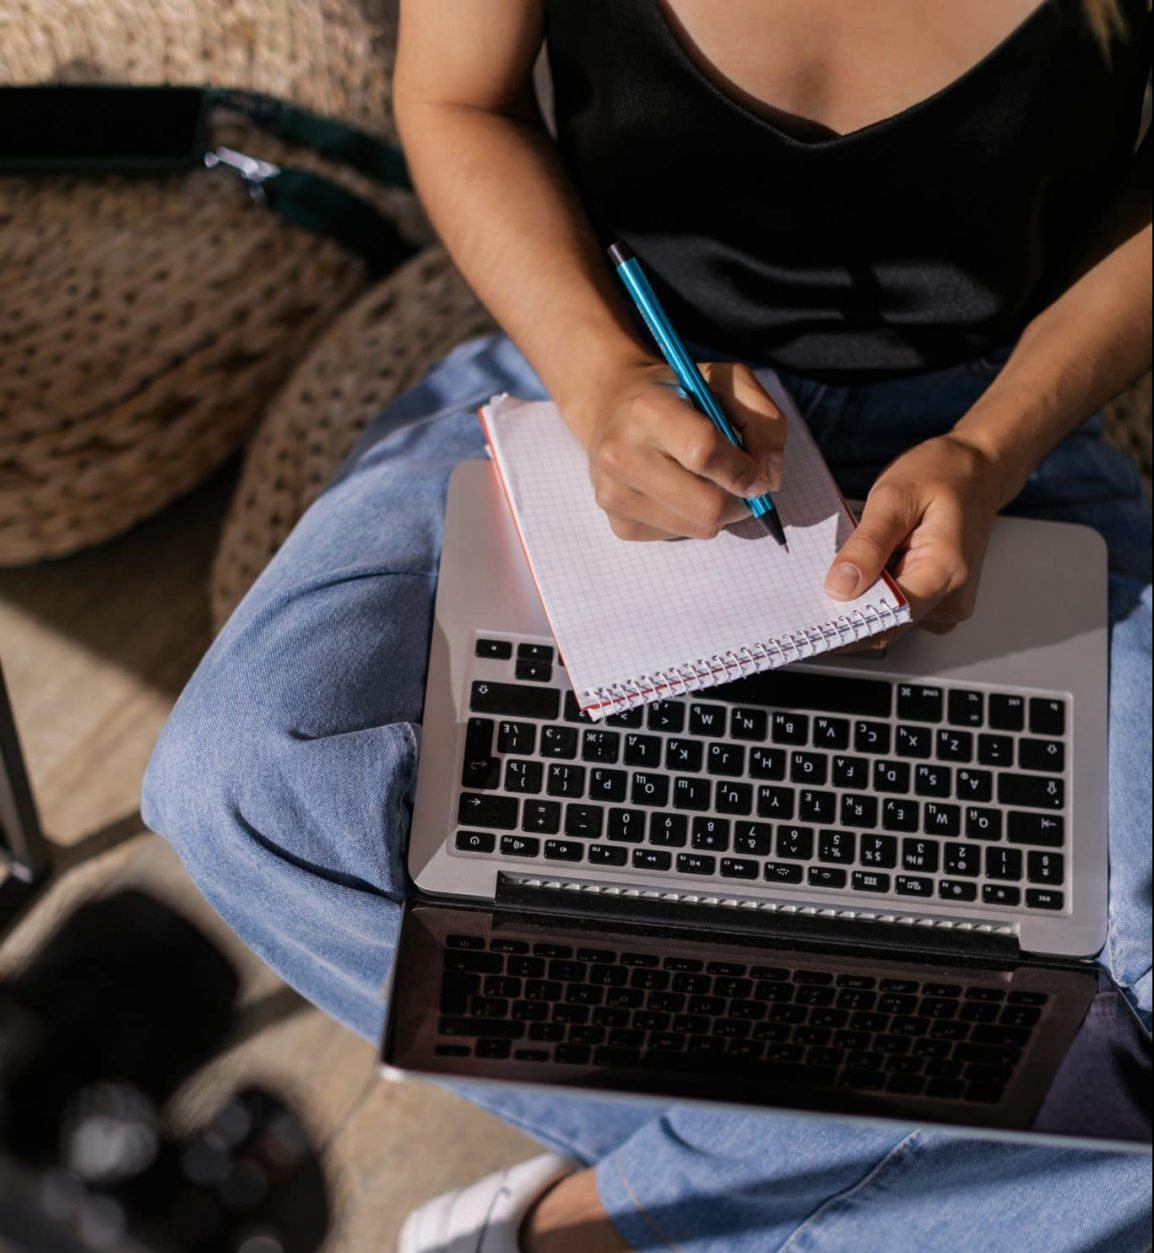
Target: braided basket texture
[(144, 324), (376, 352)]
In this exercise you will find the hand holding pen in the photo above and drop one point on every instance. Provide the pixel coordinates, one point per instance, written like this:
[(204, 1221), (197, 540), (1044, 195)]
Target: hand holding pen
[(695, 389)]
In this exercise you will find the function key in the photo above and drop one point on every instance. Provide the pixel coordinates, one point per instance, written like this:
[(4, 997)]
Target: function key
[(866, 881), (651, 859), (1044, 756), (697, 864), (520, 846), (466, 943), (1002, 896), (921, 704), (827, 878), (908, 885), (1035, 999), (707, 720), (495, 650), (536, 652), (564, 850), (475, 842), (779, 872), (534, 672), (607, 855), (739, 868), (1046, 899), (750, 724), (1008, 713), (967, 709), (511, 700), (668, 716), (958, 890), (1048, 717), (813, 978)]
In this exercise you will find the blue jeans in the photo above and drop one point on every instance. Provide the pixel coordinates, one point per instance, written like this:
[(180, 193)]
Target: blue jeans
[(285, 779)]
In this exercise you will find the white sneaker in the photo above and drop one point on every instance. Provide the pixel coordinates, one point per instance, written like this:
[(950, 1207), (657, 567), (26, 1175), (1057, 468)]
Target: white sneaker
[(488, 1217)]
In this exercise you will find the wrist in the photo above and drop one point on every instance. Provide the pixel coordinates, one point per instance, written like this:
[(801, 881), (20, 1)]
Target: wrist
[(586, 395), (1010, 443)]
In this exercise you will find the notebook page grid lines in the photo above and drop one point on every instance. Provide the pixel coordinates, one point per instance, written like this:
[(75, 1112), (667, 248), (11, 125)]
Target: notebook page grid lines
[(628, 613)]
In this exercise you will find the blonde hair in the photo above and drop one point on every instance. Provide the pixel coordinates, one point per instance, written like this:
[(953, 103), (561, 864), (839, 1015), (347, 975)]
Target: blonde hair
[(1106, 18)]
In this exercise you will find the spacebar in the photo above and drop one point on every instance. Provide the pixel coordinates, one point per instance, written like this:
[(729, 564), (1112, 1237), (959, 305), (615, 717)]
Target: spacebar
[(816, 693), (509, 700)]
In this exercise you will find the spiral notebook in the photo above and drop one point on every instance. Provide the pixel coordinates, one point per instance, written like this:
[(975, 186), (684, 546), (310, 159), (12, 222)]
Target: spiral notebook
[(638, 623)]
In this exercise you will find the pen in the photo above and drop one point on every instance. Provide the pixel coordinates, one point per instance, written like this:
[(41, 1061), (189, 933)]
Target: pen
[(688, 374)]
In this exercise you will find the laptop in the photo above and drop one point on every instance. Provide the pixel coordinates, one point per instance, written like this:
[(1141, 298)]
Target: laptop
[(866, 887)]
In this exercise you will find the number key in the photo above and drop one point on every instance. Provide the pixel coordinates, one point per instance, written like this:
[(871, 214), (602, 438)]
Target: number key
[(1048, 869), (837, 848), (922, 856)]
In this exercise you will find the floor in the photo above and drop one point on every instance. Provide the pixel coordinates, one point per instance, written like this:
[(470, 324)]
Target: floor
[(96, 649)]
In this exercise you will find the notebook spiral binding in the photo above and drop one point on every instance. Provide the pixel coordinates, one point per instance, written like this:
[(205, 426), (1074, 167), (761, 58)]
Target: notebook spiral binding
[(851, 628)]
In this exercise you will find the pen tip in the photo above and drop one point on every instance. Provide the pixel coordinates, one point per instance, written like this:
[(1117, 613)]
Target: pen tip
[(772, 523)]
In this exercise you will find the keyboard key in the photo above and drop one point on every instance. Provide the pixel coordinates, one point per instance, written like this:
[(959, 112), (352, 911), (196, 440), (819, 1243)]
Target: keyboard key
[(967, 709), (564, 850), (768, 764), (1048, 717), (627, 826), (1047, 869), (828, 879), (909, 885), (708, 721), (902, 815), (880, 852), (495, 813), (957, 890), (697, 864), (1031, 792), (735, 799), (892, 778), (943, 820), (976, 786), (795, 843), (494, 650), (524, 777), (534, 672), (818, 807), (1008, 713), (956, 747), (984, 824), (1037, 829), (695, 795), (921, 856), (536, 652), (860, 812), (776, 802), (996, 751), (1044, 756), (935, 781), (753, 839), (511, 700), (711, 835), (482, 1029), (726, 760), (650, 789), (643, 751), (872, 737), (749, 724), (608, 855), (684, 756), (632, 720), (851, 773), (1007, 865), (567, 781), (915, 743), (516, 739), (1002, 896), (667, 716), (778, 872), (963, 861), (584, 822), (790, 728), (837, 848), (559, 743), (520, 846), (475, 842), (541, 817), (832, 734), (601, 747), (868, 881), (609, 787), (651, 859), (737, 868), (573, 712), (669, 830), (921, 704), (1046, 899), (811, 769)]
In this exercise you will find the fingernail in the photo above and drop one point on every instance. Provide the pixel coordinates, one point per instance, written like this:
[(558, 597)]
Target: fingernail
[(843, 582), (774, 468)]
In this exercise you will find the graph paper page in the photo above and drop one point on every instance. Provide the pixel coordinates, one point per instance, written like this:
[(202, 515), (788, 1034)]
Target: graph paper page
[(624, 612)]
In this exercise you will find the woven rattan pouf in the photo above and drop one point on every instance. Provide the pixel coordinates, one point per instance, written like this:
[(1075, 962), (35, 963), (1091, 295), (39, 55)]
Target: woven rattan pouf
[(372, 355), (145, 325)]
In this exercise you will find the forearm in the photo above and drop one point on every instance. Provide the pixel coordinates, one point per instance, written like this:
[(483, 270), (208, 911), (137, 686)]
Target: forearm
[(507, 212), (1081, 353)]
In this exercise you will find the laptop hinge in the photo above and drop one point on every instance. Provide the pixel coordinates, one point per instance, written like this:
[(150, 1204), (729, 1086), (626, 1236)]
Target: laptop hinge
[(733, 916)]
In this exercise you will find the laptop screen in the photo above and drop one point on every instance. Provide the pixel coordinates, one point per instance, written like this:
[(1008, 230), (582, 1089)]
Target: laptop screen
[(640, 1010)]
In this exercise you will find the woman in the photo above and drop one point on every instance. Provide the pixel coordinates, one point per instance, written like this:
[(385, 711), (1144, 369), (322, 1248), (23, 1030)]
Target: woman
[(933, 220)]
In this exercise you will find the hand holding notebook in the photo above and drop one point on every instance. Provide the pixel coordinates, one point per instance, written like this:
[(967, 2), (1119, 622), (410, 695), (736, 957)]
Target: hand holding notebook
[(638, 623)]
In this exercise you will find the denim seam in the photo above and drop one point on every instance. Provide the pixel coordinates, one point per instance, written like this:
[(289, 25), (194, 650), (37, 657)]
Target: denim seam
[(892, 1158), (646, 1217), (818, 397)]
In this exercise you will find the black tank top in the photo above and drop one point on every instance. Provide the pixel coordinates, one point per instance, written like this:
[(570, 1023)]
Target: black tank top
[(914, 244)]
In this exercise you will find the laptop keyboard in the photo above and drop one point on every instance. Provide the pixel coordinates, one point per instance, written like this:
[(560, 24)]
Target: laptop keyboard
[(817, 782), (506, 999)]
